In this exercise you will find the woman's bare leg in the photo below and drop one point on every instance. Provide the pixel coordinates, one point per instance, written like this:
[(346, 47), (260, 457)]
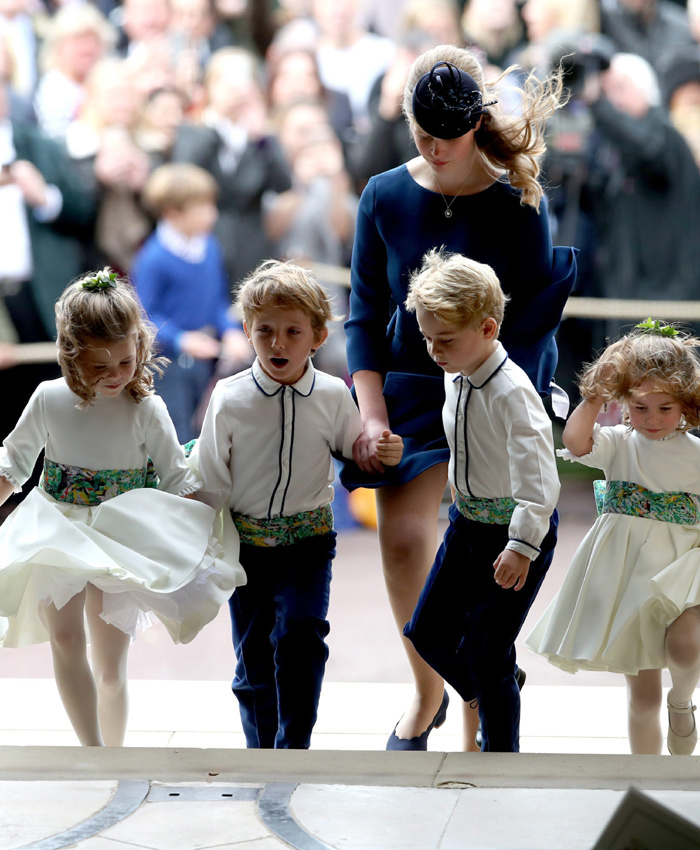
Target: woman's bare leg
[(683, 658), (109, 652), (74, 679), (408, 537), (644, 707)]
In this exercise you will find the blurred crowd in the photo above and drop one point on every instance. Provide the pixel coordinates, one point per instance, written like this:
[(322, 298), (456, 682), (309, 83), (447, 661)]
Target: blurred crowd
[(290, 106)]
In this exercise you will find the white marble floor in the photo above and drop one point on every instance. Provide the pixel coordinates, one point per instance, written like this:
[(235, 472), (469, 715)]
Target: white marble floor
[(346, 794)]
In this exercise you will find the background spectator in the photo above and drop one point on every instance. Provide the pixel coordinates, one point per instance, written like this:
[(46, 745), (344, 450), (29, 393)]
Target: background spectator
[(17, 26), (682, 94), (20, 108), (43, 213), (494, 27), (161, 114), (102, 144), (654, 29), (292, 74), (76, 38), (648, 211), (350, 59), (314, 221), (180, 278), (235, 144)]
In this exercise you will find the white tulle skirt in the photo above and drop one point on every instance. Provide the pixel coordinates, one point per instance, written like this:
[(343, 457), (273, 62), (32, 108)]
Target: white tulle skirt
[(629, 580), (148, 551)]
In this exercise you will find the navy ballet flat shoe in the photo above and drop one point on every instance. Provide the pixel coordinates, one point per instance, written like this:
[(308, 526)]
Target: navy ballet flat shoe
[(520, 676), (420, 742)]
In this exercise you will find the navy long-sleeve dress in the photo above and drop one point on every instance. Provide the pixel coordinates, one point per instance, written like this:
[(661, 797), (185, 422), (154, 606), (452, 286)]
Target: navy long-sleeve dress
[(398, 222)]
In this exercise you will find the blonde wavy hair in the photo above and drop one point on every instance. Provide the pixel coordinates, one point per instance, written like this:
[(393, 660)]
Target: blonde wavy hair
[(456, 289), (670, 362), (110, 314), (285, 284), (508, 144)]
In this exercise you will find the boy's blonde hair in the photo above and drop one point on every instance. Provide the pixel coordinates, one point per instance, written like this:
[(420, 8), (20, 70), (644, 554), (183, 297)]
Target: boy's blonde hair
[(670, 362), (285, 284), (510, 144), (456, 289), (110, 312), (177, 185)]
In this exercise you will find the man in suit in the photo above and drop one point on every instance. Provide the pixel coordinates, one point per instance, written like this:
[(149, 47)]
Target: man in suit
[(43, 210)]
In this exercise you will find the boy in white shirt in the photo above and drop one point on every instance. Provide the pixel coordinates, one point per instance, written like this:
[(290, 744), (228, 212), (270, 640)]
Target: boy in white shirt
[(502, 472), (265, 453)]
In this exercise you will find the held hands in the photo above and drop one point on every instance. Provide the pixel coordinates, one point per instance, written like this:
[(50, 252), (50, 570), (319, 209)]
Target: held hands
[(364, 450), (389, 448), (511, 569)]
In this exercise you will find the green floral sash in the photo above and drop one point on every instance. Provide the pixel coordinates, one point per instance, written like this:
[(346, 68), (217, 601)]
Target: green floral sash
[(90, 487), (493, 511), (284, 530), (624, 497)]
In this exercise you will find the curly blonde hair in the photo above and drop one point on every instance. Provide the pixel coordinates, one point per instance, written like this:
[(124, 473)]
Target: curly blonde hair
[(456, 289), (508, 144), (111, 314), (285, 284), (671, 362)]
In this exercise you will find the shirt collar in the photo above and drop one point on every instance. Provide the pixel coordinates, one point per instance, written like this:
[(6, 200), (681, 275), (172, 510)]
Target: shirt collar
[(487, 370), (270, 387), (193, 249)]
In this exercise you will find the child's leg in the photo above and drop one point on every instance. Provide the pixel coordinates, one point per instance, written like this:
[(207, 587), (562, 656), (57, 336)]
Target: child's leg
[(470, 719), (298, 638), (109, 650), (252, 620), (683, 658), (74, 679), (643, 707)]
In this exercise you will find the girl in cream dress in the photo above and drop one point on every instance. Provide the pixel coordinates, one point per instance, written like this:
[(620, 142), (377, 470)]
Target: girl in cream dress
[(107, 537), (630, 600)]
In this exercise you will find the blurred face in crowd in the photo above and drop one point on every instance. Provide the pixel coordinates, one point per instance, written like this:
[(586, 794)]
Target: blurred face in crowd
[(336, 18), (76, 54), (298, 125), (624, 92), (191, 17), (494, 15), (295, 77), (541, 17), (145, 19), (195, 219), (165, 111)]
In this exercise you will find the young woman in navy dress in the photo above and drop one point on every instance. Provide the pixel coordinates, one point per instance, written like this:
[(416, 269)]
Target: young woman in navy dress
[(473, 189)]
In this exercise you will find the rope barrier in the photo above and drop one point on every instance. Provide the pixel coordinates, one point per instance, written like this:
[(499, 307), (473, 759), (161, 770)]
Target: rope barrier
[(576, 307)]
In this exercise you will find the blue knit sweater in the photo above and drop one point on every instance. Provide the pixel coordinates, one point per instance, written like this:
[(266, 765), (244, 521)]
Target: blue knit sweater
[(182, 296)]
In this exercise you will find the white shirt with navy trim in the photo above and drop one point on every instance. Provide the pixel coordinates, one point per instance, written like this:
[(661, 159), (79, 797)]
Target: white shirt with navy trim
[(265, 448), (501, 445)]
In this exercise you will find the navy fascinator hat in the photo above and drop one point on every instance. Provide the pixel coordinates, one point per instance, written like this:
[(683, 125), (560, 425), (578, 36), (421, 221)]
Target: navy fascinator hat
[(447, 102)]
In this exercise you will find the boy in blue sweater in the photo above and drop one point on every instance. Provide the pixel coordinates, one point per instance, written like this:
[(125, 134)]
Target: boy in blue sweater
[(180, 278)]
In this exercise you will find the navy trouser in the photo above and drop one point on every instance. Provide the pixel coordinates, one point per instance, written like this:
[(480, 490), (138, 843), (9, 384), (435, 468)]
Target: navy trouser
[(279, 626), (465, 625)]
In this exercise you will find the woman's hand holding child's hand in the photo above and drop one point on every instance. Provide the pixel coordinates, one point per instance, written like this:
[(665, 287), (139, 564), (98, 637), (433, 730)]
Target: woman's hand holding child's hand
[(511, 569), (389, 448)]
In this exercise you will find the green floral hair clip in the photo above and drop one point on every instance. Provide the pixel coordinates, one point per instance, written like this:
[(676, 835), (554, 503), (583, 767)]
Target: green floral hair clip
[(655, 326), (101, 280)]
